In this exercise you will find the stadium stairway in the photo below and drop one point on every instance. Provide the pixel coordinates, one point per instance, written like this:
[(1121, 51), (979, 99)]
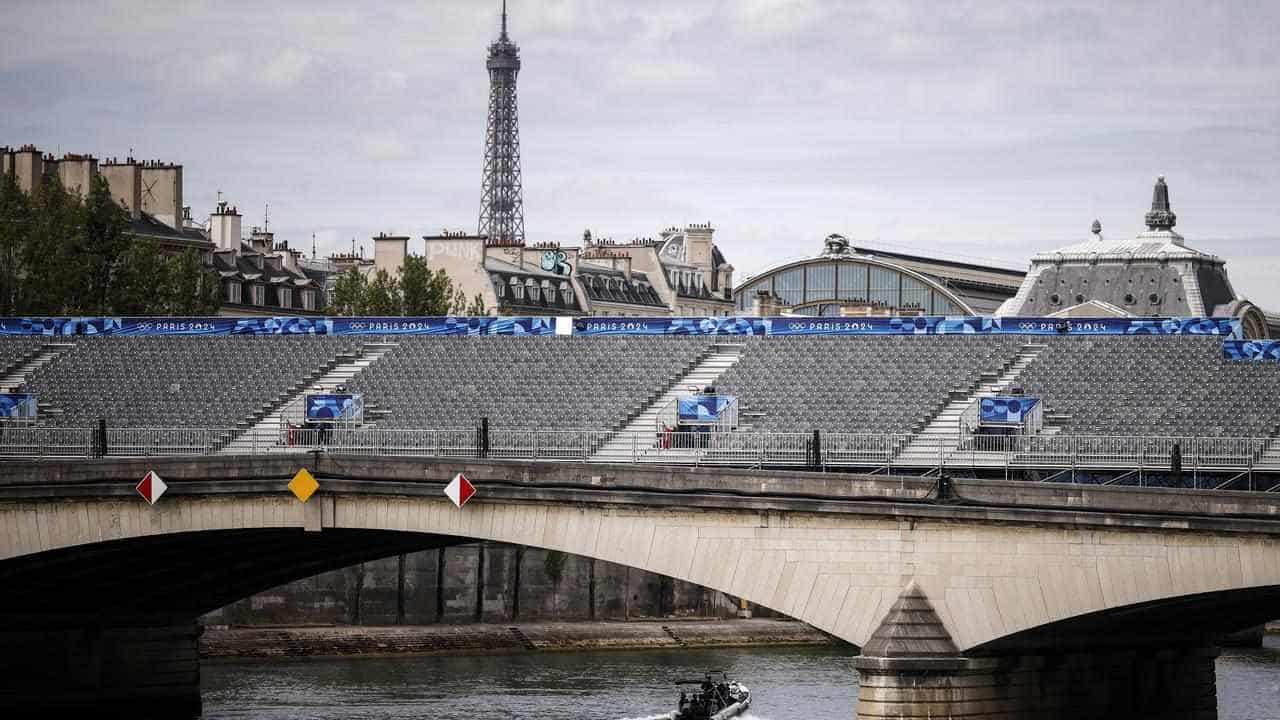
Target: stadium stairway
[(16, 375), (265, 429), (634, 439), (940, 433)]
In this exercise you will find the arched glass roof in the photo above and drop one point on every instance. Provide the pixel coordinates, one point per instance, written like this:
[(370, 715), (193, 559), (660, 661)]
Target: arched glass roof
[(826, 284)]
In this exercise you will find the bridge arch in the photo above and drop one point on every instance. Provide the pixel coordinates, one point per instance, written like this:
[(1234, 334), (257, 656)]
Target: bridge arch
[(838, 565)]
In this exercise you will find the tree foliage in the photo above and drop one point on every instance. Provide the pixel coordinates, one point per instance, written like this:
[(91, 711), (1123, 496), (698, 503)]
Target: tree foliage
[(418, 291), (349, 292), (426, 291), (64, 255), (382, 297)]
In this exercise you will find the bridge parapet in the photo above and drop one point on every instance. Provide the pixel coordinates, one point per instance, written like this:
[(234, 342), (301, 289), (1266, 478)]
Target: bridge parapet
[(1011, 569)]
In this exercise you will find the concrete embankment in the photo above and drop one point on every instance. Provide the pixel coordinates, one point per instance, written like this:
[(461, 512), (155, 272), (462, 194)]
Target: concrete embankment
[(241, 642)]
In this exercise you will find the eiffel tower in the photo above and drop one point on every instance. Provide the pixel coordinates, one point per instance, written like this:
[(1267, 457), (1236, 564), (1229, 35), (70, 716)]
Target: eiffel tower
[(501, 204)]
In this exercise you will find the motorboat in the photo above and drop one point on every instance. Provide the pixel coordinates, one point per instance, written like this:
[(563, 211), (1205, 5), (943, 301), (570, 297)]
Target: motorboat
[(715, 697)]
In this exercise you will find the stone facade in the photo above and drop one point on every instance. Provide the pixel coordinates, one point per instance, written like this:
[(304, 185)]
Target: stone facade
[(683, 273)]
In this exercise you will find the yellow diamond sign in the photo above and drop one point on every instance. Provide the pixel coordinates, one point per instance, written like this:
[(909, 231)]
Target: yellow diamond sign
[(303, 485)]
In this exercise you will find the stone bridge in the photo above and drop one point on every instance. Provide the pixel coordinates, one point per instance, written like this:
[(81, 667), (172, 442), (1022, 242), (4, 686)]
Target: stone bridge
[(1000, 599)]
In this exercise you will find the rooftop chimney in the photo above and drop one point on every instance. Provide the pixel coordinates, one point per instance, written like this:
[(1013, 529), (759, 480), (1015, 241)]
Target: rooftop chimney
[(224, 227), (124, 180)]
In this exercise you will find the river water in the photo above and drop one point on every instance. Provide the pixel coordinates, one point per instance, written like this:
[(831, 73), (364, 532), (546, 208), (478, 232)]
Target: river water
[(786, 684)]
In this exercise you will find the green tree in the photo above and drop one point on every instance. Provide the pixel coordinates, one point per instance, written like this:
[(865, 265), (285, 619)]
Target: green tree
[(349, 294), (458, 304), (477, 308), (52, 274), (143, 284), (105, 239), (15, 228), (383, 296), (425, 291), (193, 289)]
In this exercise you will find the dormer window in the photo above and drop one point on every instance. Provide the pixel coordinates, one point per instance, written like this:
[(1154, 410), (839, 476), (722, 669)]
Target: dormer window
[(499, 287), (534, 290), (285, 296), (233, 292), (566, 292), (547, 292), (517, 289), (258, 294), (308, 299)]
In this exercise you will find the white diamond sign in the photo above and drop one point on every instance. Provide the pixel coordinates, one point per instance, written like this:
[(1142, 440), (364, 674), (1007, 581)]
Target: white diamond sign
[(460, 490), (151, 487)]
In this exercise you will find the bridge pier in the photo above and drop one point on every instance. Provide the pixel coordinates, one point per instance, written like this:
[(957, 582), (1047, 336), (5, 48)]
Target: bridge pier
[(910, 669), (1172, 683), (101, 672)]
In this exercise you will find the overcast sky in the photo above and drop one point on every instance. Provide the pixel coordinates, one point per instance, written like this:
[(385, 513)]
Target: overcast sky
[(973, 129)]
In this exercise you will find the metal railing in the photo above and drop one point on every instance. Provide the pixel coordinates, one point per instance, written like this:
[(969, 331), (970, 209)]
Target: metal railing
[(744, 449)]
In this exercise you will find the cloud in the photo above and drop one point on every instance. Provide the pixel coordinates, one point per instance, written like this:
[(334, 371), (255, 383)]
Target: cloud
[(976, 127), (385, 145), (284, 69), (390, 80)]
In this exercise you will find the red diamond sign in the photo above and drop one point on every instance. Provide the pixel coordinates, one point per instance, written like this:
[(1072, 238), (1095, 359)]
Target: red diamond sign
[(460, 490), (151, 487)]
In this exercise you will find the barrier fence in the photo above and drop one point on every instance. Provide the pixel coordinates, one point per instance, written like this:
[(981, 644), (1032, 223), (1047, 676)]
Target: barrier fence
[(1168, 455)]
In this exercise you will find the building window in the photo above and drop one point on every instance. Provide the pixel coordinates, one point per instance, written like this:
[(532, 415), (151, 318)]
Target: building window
[(257, 294), (915, 294), (499, 288), (789, 286), (547, 292), (233, 292), (566, 293), (533, 290), (517, 290), (308, 299), (853, 282), (820, 282), (285, 296), (885, 285)]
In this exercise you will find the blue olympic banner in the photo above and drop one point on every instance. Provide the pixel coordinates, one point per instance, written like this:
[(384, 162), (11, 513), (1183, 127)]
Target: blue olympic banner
[(701, 408), (983, 325), (1004, 410), (444, 326), (334, 407), (38, 326), (1251, 349), (153, 326), (921, 325), (18, 406), (671, 326)]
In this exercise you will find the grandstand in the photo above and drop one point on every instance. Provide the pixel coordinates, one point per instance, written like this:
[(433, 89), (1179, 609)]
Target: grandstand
[(877, 399)]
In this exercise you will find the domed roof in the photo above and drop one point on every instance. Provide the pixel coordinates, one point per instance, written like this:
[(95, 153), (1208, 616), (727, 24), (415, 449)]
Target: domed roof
[(1158, 243)]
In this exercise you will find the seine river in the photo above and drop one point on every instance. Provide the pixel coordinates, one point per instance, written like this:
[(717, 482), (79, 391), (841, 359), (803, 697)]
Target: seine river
[(786, 684)]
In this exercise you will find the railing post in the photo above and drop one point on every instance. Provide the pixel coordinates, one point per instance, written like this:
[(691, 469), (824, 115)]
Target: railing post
[(817, 450), (941, 464)]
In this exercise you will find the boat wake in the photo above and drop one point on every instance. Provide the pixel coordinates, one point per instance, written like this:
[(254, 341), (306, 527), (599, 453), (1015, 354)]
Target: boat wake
[(667, 716)]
